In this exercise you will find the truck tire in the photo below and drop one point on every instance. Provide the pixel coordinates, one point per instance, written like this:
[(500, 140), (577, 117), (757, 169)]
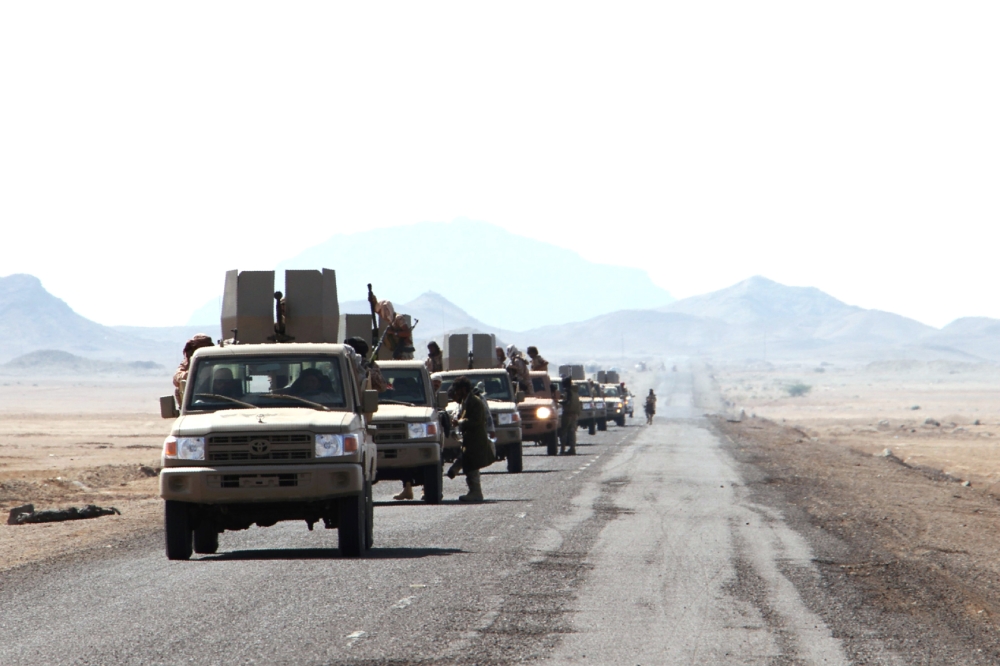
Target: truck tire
[(433, 483), (551, 444), (206, 539), (514, 461), (602, 424), (592, 428), (369, 517), (178, 529), (620, 421), (351, 535)]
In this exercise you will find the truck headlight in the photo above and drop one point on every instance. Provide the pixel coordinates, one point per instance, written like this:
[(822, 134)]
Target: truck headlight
[(421, 430), (191, 448), (543, 412), (329, 445)]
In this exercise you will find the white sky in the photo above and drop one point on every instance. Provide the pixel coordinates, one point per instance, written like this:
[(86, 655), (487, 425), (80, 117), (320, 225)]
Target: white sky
[(852, 146)]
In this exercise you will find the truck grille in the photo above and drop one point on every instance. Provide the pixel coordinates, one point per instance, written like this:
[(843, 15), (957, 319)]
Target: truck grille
[(390, 432), (262, 447)]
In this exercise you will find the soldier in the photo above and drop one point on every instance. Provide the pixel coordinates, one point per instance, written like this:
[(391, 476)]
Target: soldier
[(476, 449), (571, 412), (180, 377), (520, 372), (501, 358), (650, 407), (537, 362), (435, 358)]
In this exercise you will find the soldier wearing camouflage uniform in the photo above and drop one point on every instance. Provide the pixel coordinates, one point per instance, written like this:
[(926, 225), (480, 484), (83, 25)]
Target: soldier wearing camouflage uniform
[(571, 412)]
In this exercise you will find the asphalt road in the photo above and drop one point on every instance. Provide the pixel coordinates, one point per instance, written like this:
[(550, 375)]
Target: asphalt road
[(643, 549)]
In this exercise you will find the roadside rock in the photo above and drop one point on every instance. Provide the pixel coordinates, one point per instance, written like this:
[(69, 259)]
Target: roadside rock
[(932, 422)]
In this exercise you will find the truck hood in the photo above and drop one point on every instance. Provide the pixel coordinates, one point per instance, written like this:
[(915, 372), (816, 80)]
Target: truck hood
[(404, 413), (265, 420), (498, 406)]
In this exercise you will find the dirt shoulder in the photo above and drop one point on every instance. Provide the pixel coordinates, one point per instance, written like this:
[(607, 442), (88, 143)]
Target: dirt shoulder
[(908, 554)]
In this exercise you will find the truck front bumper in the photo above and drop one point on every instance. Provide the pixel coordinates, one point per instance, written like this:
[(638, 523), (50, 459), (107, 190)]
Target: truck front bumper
[(407, 454), (260, 483)]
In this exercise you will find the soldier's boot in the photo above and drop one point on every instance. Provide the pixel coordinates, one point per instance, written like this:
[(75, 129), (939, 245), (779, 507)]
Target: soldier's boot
[(475, 493), (407, 493)]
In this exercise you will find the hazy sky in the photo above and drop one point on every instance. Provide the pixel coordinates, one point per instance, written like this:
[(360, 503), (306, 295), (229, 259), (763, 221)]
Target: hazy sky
[(852, 146)]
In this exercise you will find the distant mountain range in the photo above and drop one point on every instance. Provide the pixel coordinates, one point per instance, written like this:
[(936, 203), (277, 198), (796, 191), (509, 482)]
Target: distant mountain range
[(52, 362), (756, 319), (514, 282), (759, 319)]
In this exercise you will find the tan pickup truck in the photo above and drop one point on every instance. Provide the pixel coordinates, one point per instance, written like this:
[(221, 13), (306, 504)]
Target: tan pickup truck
[(540, 414), (266, 433), (494, 385), (614, 403), (407, 429)]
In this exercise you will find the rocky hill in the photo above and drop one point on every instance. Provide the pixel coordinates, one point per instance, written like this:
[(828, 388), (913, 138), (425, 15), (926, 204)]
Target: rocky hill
[(31, 319)]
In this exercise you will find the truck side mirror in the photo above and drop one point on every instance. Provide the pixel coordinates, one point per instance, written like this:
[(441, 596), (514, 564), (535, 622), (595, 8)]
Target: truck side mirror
[(369, 402), (519, 397), (168, 409), (442, 399)]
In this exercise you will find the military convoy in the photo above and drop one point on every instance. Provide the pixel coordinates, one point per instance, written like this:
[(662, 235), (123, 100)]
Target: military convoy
[(281, 422)]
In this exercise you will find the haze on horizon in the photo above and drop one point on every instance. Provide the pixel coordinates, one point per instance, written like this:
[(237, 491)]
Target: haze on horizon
[(145, 149)]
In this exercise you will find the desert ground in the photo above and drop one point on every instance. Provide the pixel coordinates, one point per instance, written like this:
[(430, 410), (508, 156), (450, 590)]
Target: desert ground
[(943, 416), (68, 441)]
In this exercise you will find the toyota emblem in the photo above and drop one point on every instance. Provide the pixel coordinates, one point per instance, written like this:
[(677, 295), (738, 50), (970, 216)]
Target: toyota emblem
[(259, 447)]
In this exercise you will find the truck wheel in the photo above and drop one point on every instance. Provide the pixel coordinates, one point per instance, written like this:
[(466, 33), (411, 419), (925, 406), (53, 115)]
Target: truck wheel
[(602, 424), (351, 535), (592, 428), (433, 483), (370, 517), (178, 529), (206, 539), (620, 421), (514, 461), (551, 444)]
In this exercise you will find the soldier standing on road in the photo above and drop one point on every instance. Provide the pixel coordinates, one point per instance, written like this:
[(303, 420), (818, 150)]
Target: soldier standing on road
[(435, 358), (571, 412), (650, 407), (476, 449), (538, 363)]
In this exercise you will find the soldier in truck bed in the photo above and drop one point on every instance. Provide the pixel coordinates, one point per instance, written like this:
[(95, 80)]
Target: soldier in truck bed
[(180, 376), (517, 367), (538, 363), (435, 358)]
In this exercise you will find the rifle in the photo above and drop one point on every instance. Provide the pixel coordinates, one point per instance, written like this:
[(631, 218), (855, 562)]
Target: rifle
[(372, 302)]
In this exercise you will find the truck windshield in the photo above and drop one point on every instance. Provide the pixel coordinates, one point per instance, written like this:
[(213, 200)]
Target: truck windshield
[(228, 382), (611, 392), (584, 389), (493, 387), (406, 385)]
